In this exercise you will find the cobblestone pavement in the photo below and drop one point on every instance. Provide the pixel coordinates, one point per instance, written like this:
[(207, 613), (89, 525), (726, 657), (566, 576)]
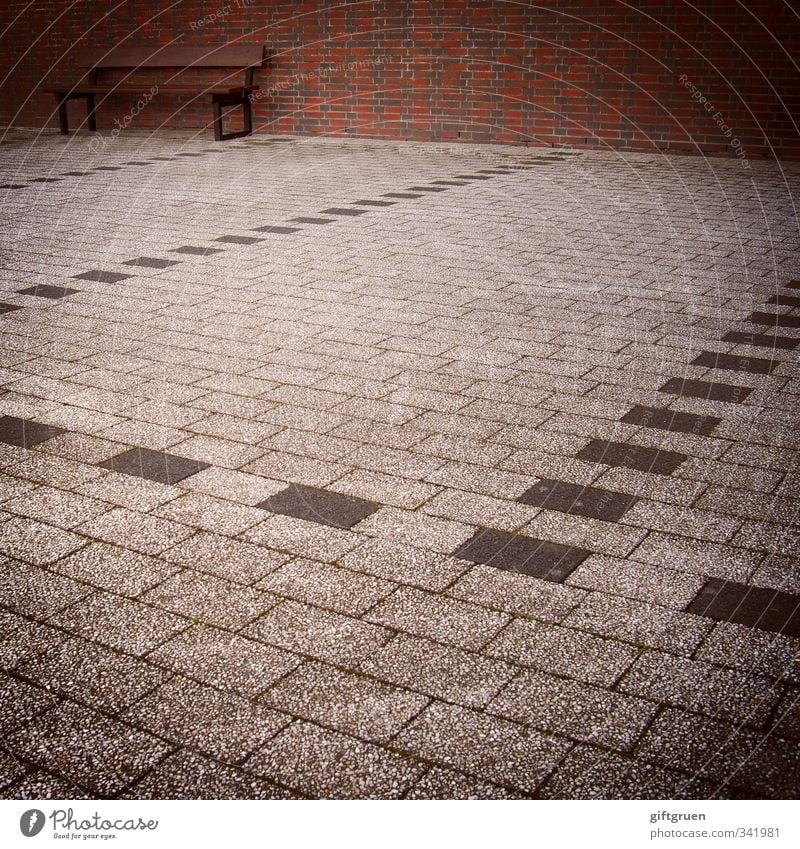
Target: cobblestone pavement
[(347, 469)]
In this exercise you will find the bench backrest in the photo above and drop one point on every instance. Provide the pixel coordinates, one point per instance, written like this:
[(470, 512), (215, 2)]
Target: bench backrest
[(244, 55)]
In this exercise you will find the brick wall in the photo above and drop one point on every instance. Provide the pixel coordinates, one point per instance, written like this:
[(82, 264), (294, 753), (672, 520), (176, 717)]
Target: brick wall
[(584, 72)]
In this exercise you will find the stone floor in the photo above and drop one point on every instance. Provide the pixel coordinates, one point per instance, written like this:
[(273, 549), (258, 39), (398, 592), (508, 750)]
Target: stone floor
[(348, 469)]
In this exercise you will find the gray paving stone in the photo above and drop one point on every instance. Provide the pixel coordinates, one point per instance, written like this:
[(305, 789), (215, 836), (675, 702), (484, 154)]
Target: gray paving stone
[(224, 660), (219, 724), (21, 703), (438, 618), (139, 531), (562, 651), (210, 514), (22, 638), (120, 623), (752, 651), (440, 783), (320, 634), (36, 542), (588, 714), (488, 748), (298, 537), (352, 704), (442, 672), (41, 785), (324, 764), (82, 746)]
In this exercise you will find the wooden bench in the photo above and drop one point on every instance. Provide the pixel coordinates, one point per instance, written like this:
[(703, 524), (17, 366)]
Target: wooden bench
[(234, 57)]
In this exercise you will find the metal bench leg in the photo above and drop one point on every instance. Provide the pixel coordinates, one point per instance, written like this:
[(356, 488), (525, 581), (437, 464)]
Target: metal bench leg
[(63, 121), (90, 117), (247, 106), (217, 120)]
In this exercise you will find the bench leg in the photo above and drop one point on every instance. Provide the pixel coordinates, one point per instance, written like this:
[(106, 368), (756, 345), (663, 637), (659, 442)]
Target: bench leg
[(247, 106), (63, 121), (217, 120), (90, 117)]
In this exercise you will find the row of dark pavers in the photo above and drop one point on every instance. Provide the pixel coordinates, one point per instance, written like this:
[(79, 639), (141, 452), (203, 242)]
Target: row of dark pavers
[(720, 600), (97, 275), (87, 172)]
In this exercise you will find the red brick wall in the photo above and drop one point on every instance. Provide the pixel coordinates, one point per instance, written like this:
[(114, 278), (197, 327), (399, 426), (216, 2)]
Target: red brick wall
[(584, 72)]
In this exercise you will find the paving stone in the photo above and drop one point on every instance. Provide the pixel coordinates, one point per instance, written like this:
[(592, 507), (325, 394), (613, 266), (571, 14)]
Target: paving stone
[(100, 276), (726, 694), (154, 465), (226, 558), (588, 714), (672, 420), (219, 724), (754, 365), (57, 506), (697, 556), (238, 240), (583, 501), (233, 485), (696, 523), (88, 673), (393, 491), (687, 388), (151, 262), (516, 593), (224, 660), (21, 702), (639, 623), (138, 531), (632, 456), (193, 250), (327, 586), (317, 505), (439, 671), (763, 340), (22, 638), (756, 607), (562, 651), (186, 775), (348, 703), (590, 773), (518, 553), (438, 618), (124, 490), (103, 755), (209, 599), (491, 749), (36, 592), (324, 764), (320, 634), (636, 580), (765, 767), (752, 650), (440, 783), (404, 564), (25, 433)]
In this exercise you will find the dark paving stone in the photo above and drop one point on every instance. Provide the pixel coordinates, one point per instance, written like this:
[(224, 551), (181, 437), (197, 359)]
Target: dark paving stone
[(426, 189), (449, 182), (319, 505), (593, 502), (189, 154), (42, 290), (102, 276), (337, 210), (275, 228), (756, 607), (400, 195), (107, 168), (238, 240), (632, 456), (165, 158), (671, 420), (154, 465), (4, 308), (311, 219), (473, 177), (762, 340), (151, 262), (526, 555), (375, 202), (732, 362), (75, 173), (493, 170), (708, 391), (46, 180), (195, 251), (775, 320), (792, 284), (13, 186), (25, 433), (138, 162), (785, 300)]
